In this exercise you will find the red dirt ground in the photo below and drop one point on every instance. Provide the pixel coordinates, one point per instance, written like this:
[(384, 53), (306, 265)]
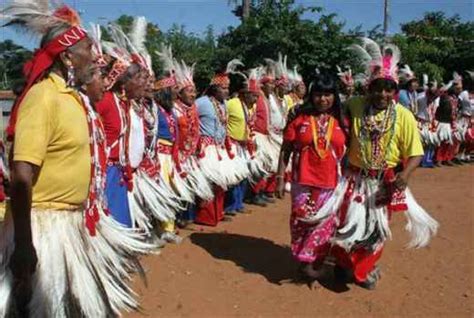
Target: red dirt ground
[(244, 268)]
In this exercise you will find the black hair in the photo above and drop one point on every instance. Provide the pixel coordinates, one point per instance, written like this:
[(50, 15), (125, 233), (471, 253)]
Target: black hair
[(212, 90), (325, 83), (380, 84)]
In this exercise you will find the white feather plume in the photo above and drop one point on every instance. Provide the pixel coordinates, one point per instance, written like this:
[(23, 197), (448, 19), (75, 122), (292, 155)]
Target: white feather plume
[(138, 34), (233, 65), (31, 16), (95, 33), (166, 57)]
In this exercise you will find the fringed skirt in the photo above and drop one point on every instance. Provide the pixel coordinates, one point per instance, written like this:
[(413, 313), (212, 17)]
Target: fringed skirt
[(149, 201), (365, 220), (77, 274), (428, 136), (264, 158), (196, 179), (313, 220), (220, 167), (170, 180)]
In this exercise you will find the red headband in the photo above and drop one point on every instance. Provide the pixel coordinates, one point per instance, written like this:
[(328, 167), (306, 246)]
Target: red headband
[(42, 60), (221, 79), (282, 81), (165, 83), (253, 86), (266, 79)]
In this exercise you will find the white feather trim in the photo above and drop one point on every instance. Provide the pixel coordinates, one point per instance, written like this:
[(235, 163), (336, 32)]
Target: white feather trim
[(74, 267), (421, 226)]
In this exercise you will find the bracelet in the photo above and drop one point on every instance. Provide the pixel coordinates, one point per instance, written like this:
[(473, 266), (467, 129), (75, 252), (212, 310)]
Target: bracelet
[(279, 177)]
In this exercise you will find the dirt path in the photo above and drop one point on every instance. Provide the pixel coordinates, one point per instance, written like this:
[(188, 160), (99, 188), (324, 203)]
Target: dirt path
[(244, 268)]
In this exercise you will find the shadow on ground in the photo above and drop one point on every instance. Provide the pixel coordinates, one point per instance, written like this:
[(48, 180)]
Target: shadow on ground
[(252, 254), (259, 256)]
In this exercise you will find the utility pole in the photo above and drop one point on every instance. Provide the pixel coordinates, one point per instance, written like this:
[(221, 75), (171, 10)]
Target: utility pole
[(386, 15), (245, 9)]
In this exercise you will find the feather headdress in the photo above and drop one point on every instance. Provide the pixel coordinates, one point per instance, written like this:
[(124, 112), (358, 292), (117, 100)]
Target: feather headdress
[(471, 74), (406, 74), (294, 77), (376, 63), (281, 71), (165, 55), (426, 82), (184, 74), (35, 17), (119, 50), (268, 71), (345, 76), (222, 78), (137, 37), (457, 78), (95, 33)]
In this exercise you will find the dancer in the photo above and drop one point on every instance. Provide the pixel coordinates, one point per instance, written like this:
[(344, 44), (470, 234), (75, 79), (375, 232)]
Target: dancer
[(428, 102), (57, 243), (408, 96), (383, 133), (240, 123), (317, 141), (448, 130)]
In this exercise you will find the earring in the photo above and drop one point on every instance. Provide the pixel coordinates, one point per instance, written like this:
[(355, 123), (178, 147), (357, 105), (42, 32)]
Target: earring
[(70, 75)]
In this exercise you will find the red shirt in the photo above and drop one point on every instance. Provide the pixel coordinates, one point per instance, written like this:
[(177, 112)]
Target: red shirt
[(111, 120), (308, 167), (261, 116)]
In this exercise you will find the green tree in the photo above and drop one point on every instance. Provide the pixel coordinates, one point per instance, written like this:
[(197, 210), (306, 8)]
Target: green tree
[(280, 26), (12, 58), (437, 45)]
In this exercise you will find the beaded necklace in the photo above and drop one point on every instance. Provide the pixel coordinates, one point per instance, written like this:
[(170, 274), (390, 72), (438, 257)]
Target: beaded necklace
[(322, 133), (374, 151), (191, 123), (220, 112), (96, 199)]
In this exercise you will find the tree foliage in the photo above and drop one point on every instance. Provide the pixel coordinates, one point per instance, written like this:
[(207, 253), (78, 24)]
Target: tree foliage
[(435, 44), (12, 58)]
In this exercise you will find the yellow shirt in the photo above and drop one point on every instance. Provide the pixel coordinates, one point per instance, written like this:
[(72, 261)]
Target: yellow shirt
[(289, 101), (236, 122), (52, 133), (406, 141)]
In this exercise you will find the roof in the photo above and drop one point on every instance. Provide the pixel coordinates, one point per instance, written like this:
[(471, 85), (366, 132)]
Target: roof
[(7, 95)]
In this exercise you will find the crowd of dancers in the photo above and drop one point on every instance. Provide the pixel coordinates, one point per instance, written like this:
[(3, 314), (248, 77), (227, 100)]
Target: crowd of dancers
[(109, 158)]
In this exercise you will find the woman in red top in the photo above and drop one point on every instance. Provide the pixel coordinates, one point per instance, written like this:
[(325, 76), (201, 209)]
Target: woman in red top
[(317, 141)]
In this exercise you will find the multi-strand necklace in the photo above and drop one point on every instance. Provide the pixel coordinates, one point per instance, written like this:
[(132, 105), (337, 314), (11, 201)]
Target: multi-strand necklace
[(374, 146)]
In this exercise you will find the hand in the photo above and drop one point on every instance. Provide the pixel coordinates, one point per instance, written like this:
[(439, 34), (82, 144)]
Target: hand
[(23, 265), (401, 181), (382, 196), (280, 188)]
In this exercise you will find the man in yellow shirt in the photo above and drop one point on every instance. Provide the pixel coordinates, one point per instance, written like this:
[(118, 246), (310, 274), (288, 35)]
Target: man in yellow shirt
[(240, 111), (56, 243), (385, 148)]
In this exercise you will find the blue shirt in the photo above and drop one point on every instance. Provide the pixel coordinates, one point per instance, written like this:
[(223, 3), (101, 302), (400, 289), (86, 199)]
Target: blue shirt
[(163, 126), (209, 122), (405, 98)]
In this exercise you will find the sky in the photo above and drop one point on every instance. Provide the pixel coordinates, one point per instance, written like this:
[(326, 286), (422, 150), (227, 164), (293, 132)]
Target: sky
[(196, 15)]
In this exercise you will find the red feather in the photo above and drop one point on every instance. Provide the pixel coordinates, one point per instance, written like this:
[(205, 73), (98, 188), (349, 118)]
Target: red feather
[(68, 14)]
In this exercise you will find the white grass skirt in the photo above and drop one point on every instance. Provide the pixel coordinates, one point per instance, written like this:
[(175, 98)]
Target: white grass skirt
[(77, 274)]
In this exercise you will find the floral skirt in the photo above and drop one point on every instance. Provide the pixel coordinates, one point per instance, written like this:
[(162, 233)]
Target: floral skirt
[(310, 241)]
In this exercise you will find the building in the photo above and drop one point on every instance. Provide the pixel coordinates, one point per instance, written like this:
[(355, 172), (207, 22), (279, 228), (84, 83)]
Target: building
[(6, 103)]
